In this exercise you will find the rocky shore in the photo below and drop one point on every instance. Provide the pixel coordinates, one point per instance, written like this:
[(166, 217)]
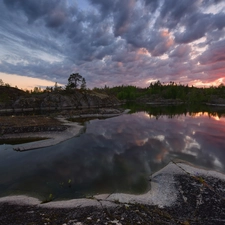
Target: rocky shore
[(180, 194), (49, 130), (17, 101)]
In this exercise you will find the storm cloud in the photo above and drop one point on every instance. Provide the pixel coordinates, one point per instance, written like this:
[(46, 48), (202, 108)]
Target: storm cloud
[(114, 42)]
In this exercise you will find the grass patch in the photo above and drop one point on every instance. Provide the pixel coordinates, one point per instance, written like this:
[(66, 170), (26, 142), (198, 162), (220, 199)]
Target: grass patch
[(49, 199)]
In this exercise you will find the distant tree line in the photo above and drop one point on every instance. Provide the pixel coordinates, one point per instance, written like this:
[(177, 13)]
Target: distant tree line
[(155, 91), (172, 90)]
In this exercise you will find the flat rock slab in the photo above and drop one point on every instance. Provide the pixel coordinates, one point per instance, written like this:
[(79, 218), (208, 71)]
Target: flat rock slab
[(53, 131), (180, 194), (72, 129)]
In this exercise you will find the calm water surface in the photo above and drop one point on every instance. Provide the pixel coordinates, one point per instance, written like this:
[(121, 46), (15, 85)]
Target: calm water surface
[(114, 155)]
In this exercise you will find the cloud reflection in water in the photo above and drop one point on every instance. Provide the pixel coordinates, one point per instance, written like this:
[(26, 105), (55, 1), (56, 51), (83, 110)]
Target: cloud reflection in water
[(114, 155)]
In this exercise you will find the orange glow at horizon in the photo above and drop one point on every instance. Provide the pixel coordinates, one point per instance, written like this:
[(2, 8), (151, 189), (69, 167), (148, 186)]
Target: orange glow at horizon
[(199, 83), (24, 82), (205, 114)]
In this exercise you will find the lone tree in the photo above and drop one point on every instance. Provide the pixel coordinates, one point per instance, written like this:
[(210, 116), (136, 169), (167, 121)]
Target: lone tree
[(74, 81)]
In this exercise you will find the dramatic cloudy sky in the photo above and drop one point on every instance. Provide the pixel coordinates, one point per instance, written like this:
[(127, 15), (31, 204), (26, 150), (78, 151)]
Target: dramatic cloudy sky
[(112, 42)]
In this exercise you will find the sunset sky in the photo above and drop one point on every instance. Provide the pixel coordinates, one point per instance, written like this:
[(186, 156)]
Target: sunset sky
[(112, 42)]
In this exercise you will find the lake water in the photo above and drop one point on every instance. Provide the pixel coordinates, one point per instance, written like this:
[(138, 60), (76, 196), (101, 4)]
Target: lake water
[(114, 155)]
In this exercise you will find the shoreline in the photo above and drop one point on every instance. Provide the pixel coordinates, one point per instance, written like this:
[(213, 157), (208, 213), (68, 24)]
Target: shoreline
[(50, 138), (163, 192), (178, 192)]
